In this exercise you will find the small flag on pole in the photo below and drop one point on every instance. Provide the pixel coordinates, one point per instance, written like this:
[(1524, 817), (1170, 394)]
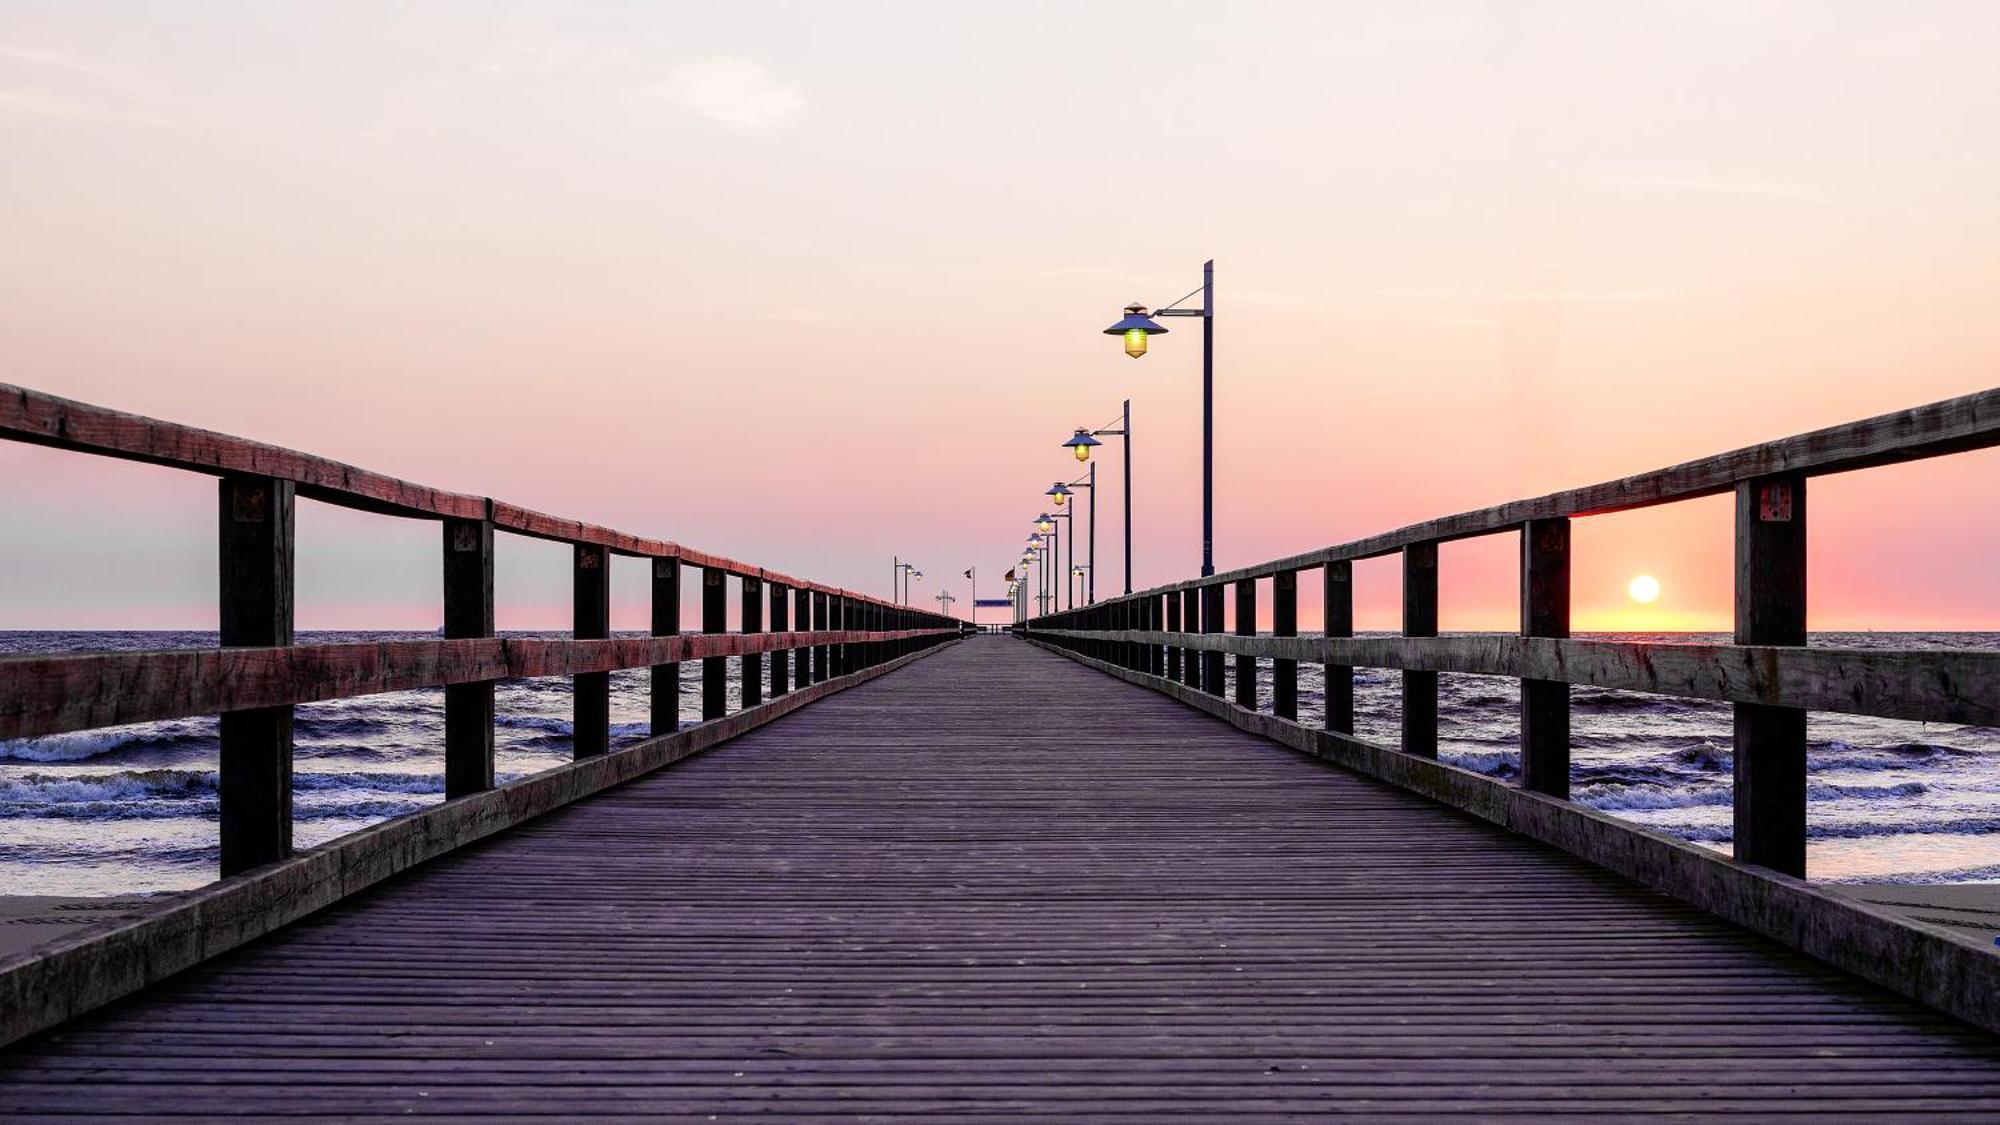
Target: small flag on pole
[(968, 574), (1010, 576)]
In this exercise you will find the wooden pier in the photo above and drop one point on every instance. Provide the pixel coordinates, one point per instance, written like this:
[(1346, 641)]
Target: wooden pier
[(998, 884), (1063, 875)]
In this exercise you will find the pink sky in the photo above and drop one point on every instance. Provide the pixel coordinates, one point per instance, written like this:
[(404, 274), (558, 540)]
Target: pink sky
[(816, 285)]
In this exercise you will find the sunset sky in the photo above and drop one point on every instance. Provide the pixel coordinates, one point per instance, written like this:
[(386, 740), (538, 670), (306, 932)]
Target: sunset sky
[(817, 284)]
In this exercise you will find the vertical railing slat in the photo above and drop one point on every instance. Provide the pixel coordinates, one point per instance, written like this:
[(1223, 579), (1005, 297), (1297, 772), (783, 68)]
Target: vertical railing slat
[(1211, 622), (591, 720), (1285, 623), (255, 553), (1770, 813), (1246, 626), (752, 663), (714, 619), (1545, 711), (1420, 619), (665, 692), (1338, 598), (468, 612)]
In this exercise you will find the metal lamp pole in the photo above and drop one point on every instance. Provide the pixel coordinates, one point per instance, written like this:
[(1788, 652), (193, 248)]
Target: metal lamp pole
[(1136, 327)]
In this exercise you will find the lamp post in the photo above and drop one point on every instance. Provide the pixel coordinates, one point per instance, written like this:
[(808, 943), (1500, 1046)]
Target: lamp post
[(1135, 327), (899, 580), (1088, 482), (1076, 574), (1051, 530), (944, 600), (1046, 522), (1045, 586), (1081, 444)]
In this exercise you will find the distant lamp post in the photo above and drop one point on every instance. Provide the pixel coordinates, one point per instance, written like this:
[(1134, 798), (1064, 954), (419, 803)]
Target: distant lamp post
[(1044, 523), (1082, 443), (1056, 563), (1135, 328), (1060, 492), (900, 577)]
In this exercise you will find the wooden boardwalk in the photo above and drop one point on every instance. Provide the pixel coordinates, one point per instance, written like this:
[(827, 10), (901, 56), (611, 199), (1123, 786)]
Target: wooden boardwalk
[(996, 884)]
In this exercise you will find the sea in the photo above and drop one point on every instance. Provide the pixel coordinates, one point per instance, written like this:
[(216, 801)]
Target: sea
[(132, 809)]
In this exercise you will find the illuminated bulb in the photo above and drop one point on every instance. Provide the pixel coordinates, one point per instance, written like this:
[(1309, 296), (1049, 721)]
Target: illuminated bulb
[(1135, 346)]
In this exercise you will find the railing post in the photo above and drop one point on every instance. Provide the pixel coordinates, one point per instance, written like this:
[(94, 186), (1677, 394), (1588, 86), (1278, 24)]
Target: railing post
[(1770, 810), (255, 553), (468, 612), (1156, 621), (819, 623), (1285, 623), (1420, 619), (1173, 626), (753, 622), (1191, 657), (592, 690), (1211, 622), (781, 659), (664, 695), (714, 619), (1545, 613), (802, 622), (1338, 579), (1246, 626)]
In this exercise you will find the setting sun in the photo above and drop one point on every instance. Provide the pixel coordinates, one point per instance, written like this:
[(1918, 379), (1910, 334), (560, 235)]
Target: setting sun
[(1644, 589)]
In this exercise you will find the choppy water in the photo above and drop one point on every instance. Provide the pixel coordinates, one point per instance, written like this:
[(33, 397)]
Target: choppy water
[(134, 808)]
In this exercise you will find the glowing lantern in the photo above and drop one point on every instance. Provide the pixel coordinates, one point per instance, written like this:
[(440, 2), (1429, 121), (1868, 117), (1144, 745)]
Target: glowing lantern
[(1135, 327), (1081, 443)]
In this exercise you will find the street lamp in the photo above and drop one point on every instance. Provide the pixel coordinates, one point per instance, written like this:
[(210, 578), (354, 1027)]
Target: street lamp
[(1081, 444), (1135, 327), (1060, 491), (1076, 574), (900, 576), (1049, 520)]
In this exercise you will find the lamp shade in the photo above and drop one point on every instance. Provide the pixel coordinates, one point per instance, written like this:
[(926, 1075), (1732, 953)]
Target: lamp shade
[(1081, 444), (1135, 326)]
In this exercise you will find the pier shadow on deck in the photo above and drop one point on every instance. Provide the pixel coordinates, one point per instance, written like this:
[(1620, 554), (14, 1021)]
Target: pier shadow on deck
[(996, 883)]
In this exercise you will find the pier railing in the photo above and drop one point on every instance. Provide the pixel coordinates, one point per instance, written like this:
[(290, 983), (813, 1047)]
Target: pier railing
[(795, 633), (1172, 636)]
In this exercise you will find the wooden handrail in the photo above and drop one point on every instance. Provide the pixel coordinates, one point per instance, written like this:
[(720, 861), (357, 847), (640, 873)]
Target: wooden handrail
[(1174, 632), (1954, 425), (37, 418), (259, 675), (1928, 685), (43, 695)]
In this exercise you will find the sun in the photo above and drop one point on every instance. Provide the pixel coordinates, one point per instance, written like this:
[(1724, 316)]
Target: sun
[(1644, 589)]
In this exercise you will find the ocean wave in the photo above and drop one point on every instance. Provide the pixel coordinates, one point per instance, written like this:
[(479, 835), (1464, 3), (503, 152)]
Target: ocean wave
[(564, 727), (167, 793), (1839, 755), (1635, 702), (1492, 763), (1606, 798), (83, 745)]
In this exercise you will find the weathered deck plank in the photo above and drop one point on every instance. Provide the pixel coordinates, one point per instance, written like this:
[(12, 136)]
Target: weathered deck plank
[(998, 884)]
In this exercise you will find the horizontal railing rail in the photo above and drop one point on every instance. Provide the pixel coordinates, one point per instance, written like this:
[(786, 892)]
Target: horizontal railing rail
[(43, 695), (793, 633), (1176, 633), (1926, 685)]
